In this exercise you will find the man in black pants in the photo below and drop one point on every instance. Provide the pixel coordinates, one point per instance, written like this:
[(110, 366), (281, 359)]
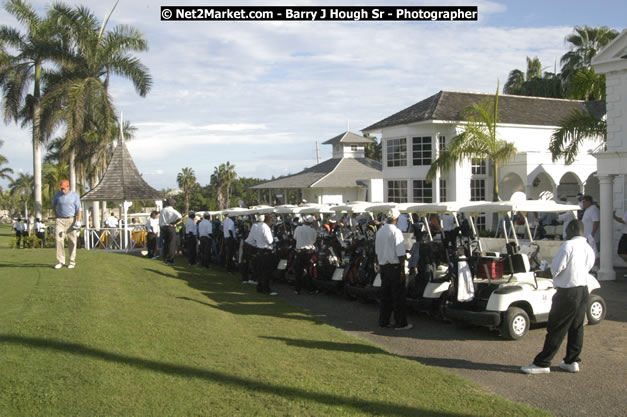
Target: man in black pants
[(570, 270), (264, 258), (390, 249), (228, 227), (152, 227), (305, 237), (168, 218)]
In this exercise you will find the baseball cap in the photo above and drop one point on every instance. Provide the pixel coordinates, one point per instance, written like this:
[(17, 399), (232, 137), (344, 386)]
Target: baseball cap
[(393, 213)]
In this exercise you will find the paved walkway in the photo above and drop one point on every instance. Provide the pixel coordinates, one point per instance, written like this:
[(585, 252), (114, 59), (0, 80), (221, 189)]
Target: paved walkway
[(483, 357)]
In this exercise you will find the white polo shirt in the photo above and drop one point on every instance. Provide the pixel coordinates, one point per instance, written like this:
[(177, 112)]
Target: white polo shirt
[(305, 237), (263, 236), (190, 226), (389, 244), (168, 215), (572, 264), (111, 221), (152, 225), (590, 216), (448, 222), (227, 226), (252, 235)]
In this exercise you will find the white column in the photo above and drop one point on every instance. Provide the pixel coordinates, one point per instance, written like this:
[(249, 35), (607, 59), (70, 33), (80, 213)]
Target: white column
[(436, 181), (606, 270)]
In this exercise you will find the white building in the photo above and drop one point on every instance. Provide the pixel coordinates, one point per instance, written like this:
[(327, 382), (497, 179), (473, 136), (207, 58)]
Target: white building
[(347, 176), (612, 160), (413, 137)]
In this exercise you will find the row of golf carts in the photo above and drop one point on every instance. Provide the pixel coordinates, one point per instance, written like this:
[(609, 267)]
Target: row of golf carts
[(501, 283)]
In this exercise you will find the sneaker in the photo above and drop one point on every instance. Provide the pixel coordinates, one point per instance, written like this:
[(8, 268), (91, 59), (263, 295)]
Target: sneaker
[(533, 369), (70, 266), (273, 293), (58, 266), (570, 367), (409, 326)]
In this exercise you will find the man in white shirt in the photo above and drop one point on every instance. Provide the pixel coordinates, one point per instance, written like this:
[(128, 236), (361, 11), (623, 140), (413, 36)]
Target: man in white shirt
[(265, 258), (570, 269), (448, 228), (152, 229), (111, 221), (591, 220), (40, 231), (249, 251), (18, 228), (390, 250), (205, 229), (228, 227), (402, 223), (305, 237), (191, 237), (168, 218)]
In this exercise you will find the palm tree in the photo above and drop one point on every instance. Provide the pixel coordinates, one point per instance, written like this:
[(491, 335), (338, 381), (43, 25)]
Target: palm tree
[(39, 45), (585, 44), (22, 187), (186, 180), (4, 172), (52, 176), (78, 97), (228, 176), (533, 82), (573, 131), (478, 141), (217, 182)]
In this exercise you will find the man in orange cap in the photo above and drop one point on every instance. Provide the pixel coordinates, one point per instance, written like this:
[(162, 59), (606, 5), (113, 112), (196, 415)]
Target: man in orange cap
[(67, 206)]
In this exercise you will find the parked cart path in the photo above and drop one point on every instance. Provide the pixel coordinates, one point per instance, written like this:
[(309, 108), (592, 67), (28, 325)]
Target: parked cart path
[(484, 357)]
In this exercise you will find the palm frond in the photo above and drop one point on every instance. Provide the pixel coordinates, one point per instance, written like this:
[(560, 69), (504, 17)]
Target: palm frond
[(579, 126)]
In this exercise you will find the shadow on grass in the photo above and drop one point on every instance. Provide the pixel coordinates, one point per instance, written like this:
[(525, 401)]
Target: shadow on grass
[(18, 265), (464, 364), (240, 305), (364, 406), (332, 346)]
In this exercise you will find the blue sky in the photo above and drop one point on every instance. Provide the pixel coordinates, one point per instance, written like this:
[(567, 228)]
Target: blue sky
[(260, 94)]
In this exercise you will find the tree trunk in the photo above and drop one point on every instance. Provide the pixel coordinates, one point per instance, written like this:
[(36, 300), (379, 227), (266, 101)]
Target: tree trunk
[(37, 143), (495, 185), (95, 205), (186, 202), (72, 170)]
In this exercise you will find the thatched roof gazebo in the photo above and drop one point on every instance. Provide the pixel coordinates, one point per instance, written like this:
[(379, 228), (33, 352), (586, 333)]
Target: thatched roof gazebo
[(121, 182)]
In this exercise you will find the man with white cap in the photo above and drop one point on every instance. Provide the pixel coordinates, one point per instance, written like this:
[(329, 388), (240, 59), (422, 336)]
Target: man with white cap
[(390, 250), (168, 218), (305, 237)]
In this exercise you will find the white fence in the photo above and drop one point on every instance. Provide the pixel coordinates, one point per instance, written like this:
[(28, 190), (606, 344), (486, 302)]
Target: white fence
[(113, 239)]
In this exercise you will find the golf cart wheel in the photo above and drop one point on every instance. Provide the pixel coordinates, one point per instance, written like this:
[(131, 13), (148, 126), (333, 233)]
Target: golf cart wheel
[(596, 309), (515, 323)]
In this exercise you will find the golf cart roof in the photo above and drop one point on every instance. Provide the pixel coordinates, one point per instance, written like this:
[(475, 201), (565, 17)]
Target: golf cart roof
[(383, 207), (286, 209), (444, 207), (354, 207), (314, 209), (519, 206), (237, 211)]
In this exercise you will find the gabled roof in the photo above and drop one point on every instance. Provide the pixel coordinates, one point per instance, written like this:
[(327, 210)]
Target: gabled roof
[(334, 172), (449, 105), (348, 138), (613, 57), (121, 181)]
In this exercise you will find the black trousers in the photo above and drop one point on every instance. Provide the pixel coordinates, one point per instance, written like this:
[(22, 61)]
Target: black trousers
[(191, 245), (18, 238), (248, 256), (301, 263), (264, 264), (393, 293), (568, 311), (229, 249), (152, 244), (205, 251), (168, 233)]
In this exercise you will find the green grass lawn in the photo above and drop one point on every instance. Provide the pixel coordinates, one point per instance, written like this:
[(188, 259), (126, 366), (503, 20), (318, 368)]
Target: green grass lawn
[(126, 336)]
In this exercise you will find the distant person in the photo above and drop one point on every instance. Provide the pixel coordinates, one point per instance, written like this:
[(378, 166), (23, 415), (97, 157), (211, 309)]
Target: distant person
[(205, 229), (249, 251), (390, 250), (265, 263), (566, 218), (111, 221), (40, 231), (448, 228), (591, 221), (622, 244), (580, 204), (168, 219), (191, 237), (152, 235), (570, 269), (18, 228), (67, 207), (228, 228), (305, 237), (402, 224)]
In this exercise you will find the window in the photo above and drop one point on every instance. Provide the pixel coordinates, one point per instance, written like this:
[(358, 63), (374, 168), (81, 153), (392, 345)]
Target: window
[(480, 222), (397, 152), (423, 192), (354, 148), (442, 190), (441, 143), (397, 191), (477, 190), (421, 148), (479, 167)]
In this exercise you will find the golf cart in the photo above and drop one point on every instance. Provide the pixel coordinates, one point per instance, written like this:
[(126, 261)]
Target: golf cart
[(500, 290)]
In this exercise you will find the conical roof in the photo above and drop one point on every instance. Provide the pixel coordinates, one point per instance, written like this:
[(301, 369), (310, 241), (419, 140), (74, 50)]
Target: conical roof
[(122, 181)]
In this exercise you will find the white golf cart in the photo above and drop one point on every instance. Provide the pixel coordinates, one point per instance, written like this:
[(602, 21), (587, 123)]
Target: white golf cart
[(508, 295)]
